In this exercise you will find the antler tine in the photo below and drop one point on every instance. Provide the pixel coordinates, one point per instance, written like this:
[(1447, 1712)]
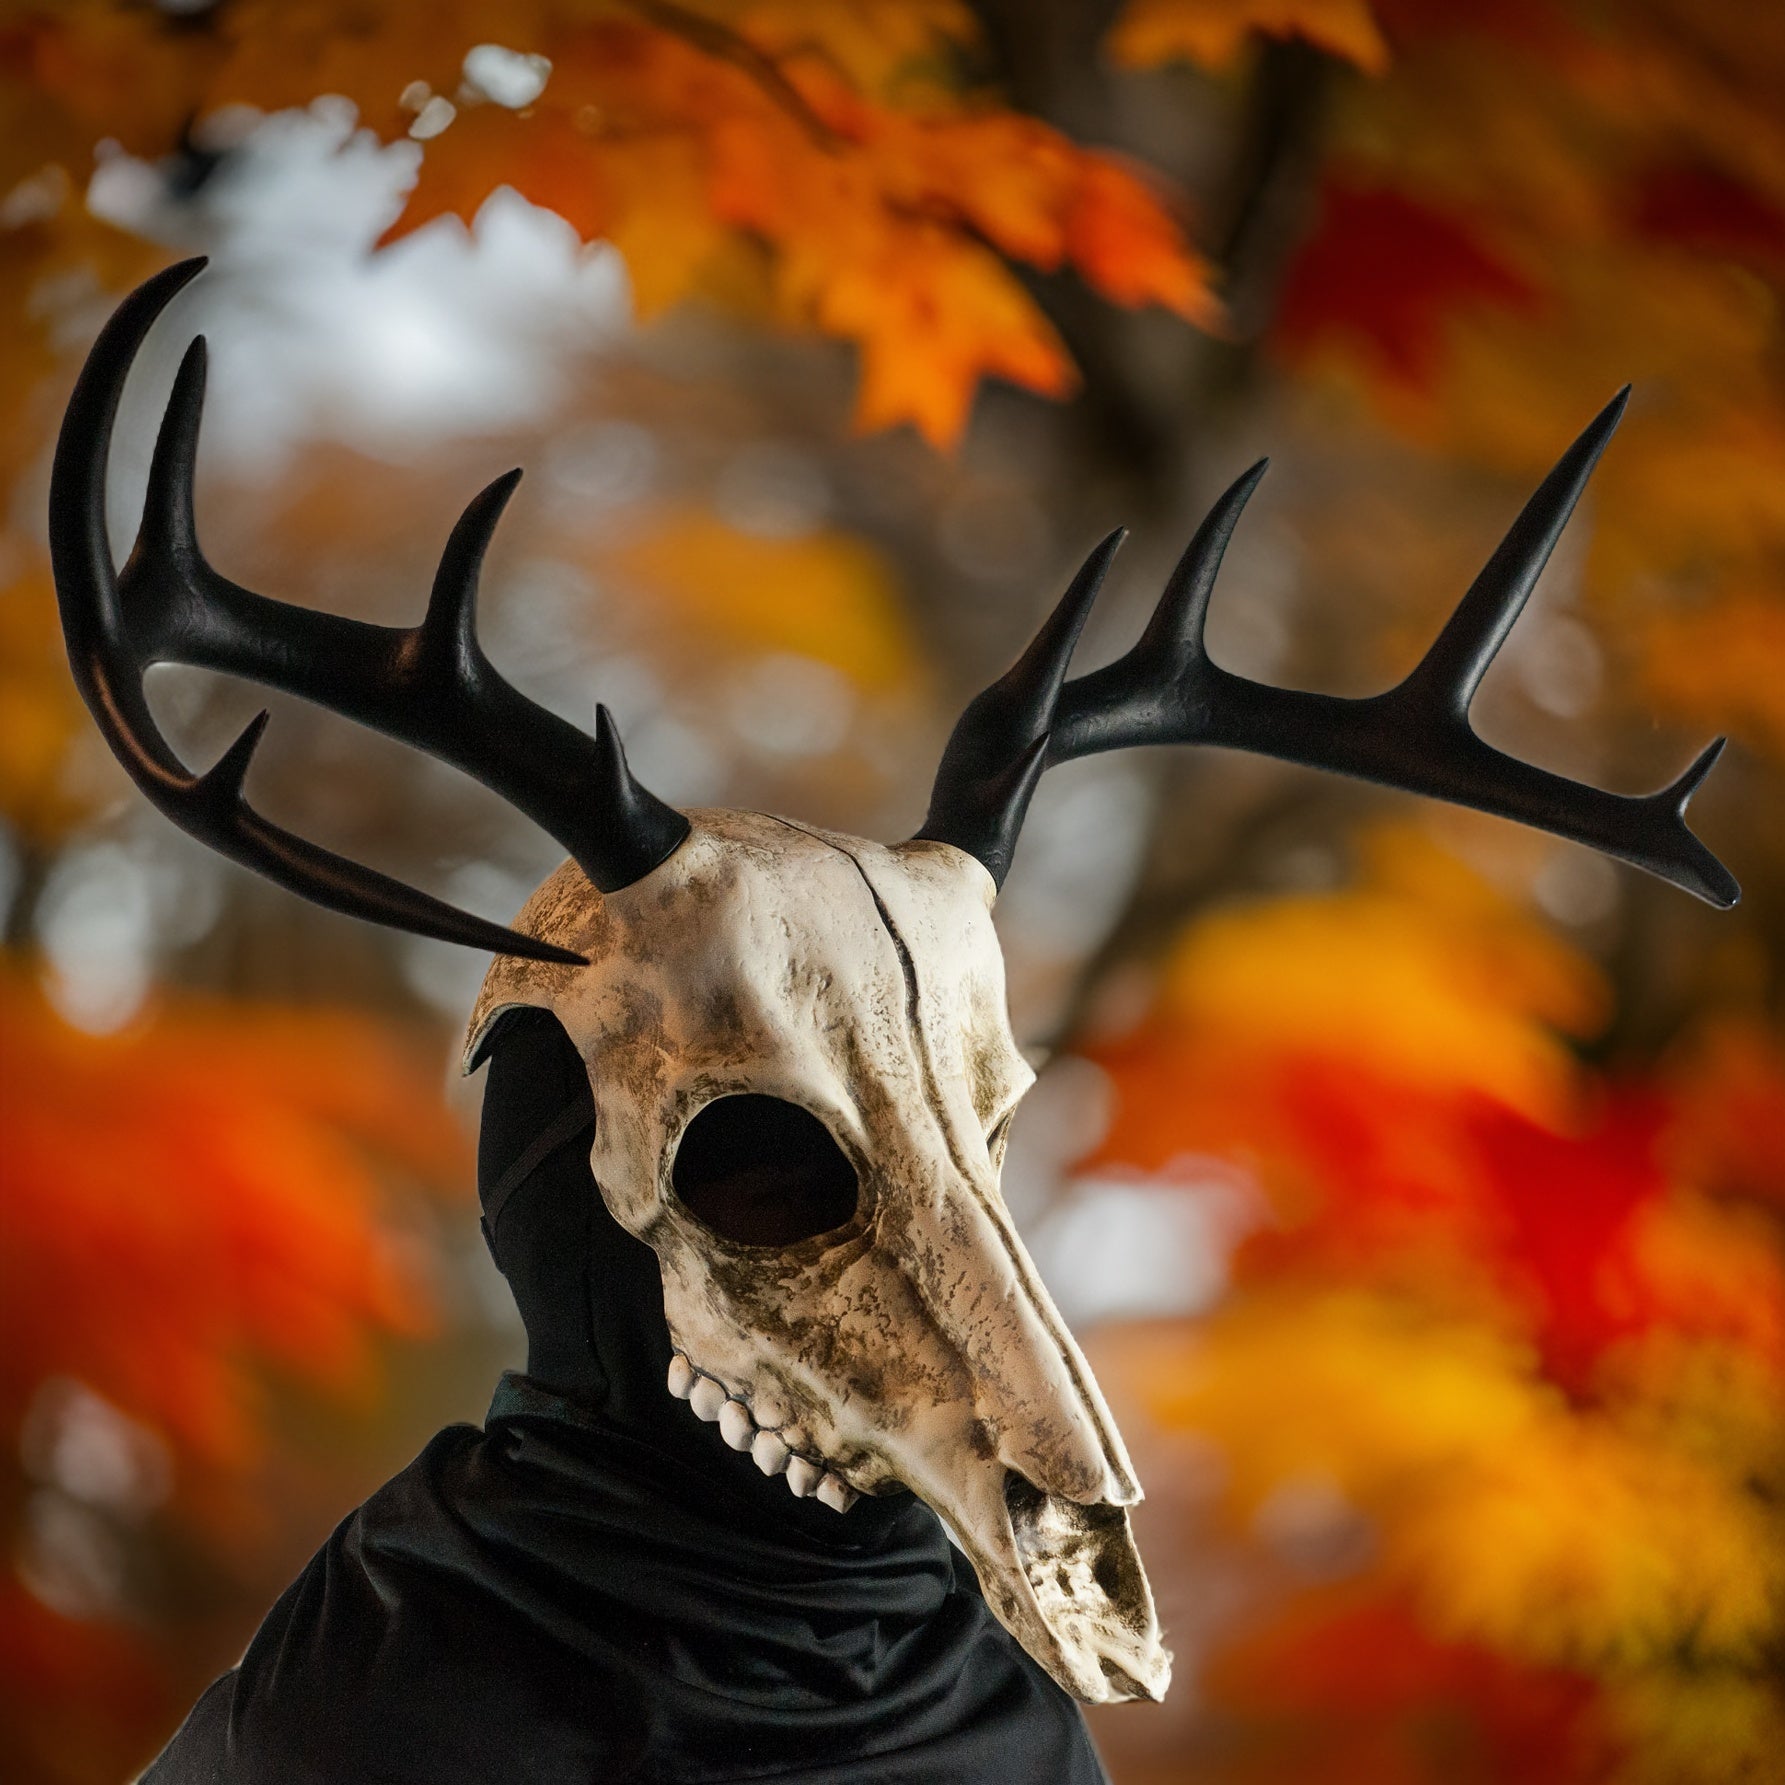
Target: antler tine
[(999, 746), (430, 685), (1183, 608), (1131, 701), (1451, 670), (445, 644)]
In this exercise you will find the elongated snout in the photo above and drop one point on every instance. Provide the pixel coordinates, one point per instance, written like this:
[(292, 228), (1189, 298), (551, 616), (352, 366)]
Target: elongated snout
[(1038, 1485), (1035, 1401)]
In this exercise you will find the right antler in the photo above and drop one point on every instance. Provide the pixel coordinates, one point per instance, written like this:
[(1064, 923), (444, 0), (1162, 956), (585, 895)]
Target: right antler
[(1415, 736), (430, 685)]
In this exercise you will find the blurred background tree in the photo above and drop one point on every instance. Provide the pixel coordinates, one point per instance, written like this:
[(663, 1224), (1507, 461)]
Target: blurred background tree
[(1420, 1179)]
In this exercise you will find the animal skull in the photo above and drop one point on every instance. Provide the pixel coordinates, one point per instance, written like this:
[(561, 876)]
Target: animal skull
[(850, 1304)]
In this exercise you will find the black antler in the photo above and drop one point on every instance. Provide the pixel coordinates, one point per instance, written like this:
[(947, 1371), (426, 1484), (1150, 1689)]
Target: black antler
[(1416, 736), (1000, 745), (429, 685)]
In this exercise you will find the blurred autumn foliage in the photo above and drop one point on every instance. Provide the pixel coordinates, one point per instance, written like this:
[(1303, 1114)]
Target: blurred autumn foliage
[(1524, 1317), (1468, 1461), (184, 1199)]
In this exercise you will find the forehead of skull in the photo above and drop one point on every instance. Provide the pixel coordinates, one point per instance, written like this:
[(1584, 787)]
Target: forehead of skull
[(756, 923)]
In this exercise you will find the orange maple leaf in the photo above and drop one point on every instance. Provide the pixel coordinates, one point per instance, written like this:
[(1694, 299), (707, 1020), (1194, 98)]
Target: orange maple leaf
[(545, 158)]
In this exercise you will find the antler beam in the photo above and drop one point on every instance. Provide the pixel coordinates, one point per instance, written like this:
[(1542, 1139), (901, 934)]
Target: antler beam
[(1415, 736)]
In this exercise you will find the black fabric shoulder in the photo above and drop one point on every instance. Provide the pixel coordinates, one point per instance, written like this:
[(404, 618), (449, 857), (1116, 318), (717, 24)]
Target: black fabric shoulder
[(548, 1602)]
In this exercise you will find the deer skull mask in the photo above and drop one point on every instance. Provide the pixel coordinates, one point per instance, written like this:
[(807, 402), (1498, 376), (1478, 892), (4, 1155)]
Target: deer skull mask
[(803, 1074), (797, 1043)]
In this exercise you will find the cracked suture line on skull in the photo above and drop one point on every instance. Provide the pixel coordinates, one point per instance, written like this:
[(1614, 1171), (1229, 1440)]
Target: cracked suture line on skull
[(919, 1036), (914, 1346), (768, 1447)]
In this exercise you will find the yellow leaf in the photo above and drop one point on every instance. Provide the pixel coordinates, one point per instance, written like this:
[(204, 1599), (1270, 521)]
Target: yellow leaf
[(1364, 1391), (662, 224), (1581, 1547), (892, 49), (1697, 1726), (826, 596), (1423, 975)]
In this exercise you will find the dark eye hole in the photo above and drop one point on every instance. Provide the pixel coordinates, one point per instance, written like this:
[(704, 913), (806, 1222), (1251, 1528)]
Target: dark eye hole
[(763, 1172)]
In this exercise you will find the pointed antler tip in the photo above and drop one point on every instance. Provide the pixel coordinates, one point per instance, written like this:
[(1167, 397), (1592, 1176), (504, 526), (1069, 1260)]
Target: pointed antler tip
[(1708, 879), (223, 780), (485, 509), (1176, 626), (168, 526), (1679, 795), (1097, 559), (1111, 543), (159, 290), (1075, 605), (1608, 418), (1237, 494), (607, 739)]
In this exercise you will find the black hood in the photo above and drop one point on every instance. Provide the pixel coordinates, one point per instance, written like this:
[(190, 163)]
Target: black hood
[(591, 1295), (596, 1588)]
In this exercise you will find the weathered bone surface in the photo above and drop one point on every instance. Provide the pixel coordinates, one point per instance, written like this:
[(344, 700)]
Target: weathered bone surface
[(914, 1343)]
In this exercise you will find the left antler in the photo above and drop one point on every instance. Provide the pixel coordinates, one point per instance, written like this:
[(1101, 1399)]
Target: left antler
[(1415, 736), (429, 685)]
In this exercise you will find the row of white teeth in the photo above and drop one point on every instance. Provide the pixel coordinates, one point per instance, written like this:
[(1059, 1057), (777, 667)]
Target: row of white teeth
[(767, 1449)]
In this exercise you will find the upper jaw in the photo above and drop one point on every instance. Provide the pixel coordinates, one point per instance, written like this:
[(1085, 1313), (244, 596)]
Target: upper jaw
[(1063, 1576), (1060, 1573), (776, 1448)]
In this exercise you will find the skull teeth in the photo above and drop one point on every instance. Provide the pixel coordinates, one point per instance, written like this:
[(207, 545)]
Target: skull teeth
[(834, 1491), (706, 1398), (806, 1477)]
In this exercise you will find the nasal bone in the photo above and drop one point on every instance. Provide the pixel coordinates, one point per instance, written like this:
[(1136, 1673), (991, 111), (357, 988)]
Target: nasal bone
[(1033, 1387)]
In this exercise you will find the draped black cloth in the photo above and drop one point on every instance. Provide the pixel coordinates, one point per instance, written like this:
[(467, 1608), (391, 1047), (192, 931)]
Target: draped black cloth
[(594, 1588)]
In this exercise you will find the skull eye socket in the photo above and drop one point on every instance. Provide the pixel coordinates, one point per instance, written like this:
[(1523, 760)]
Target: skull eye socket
[(763, 1172)]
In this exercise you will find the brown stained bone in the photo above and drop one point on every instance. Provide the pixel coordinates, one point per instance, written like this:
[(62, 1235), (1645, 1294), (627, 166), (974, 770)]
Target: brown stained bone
[(915, 1344)]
